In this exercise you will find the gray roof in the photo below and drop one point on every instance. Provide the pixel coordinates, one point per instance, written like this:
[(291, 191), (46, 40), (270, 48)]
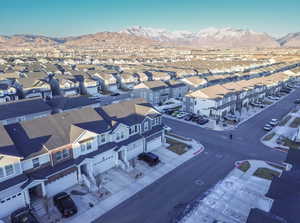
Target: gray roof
[(7, 146), (54, 131), (66, 103), (36, 136), (23, 107)]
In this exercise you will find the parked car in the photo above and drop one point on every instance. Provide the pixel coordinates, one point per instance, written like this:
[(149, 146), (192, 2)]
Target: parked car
[(272, 97), (167, 128), (297, 101), (284, 90), (149, 158), (65, 204), (268, 127), (181, 114), (231, 117), (273, 122), (23, 215), (202, 121), (188, 117)]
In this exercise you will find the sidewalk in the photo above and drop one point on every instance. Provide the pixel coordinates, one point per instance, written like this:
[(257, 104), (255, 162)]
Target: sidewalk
[(139, 184), (231, 199)]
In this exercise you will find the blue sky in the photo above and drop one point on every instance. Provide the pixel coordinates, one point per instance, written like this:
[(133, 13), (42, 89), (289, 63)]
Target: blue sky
[(71, 17)]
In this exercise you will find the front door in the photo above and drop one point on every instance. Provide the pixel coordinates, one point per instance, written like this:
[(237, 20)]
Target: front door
[(36, 192)]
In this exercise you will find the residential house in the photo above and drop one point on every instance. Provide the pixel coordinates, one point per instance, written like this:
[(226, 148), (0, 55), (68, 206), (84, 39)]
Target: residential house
[(45, 156), (34, 84), (178, 89), (195, 83), (7, 92), (155, 92), (214, 101), (160, 76), (128, 80)]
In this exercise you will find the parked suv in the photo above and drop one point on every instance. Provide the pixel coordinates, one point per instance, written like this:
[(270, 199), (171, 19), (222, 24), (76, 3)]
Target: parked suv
[(23, 215), (65, 204), (149, 158)]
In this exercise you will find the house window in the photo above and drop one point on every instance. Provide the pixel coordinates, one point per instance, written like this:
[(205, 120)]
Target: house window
[(88, 145), (153, 122), (9, 169), (122, 135), (146, 126), (103, 138), (1, 172), (118, 136), (58, 155), (65, 153), (131, 130), (82, 148), (35, 162), (136, 128)]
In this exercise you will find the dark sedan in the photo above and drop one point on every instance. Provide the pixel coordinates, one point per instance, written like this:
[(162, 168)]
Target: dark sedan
[(23, 215), (65, 204)]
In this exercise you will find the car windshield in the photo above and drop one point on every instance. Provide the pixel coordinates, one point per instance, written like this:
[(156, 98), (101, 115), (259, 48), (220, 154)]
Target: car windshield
[(66, 201)]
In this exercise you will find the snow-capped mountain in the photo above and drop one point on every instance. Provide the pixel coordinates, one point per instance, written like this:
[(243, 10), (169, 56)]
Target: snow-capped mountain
[(210, 37), (290, 40), (161, 35)]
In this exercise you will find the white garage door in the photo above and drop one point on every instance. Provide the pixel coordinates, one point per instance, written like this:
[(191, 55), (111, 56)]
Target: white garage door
[(61, 184), (11, 204), (153, 144), (134, 149)]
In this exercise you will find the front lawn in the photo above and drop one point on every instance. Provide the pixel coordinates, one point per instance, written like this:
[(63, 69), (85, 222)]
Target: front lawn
[(295, 123), (176, 146), (269, 136), (244, 166), (268, 102), (266, 173)]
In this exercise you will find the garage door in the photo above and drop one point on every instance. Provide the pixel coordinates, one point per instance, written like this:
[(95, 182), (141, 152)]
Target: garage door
[(153, 144), (61, 184), (11, 203), (135, 149)]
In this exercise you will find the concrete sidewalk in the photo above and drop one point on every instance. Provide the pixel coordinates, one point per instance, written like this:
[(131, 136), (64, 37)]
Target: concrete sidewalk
[(138, 185)]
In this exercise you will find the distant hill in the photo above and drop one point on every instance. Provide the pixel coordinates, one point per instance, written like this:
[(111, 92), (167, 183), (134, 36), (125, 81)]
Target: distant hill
[(290, 40), (138, 36)]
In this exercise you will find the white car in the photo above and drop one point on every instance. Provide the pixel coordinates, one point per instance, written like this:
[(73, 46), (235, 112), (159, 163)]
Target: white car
[(167, 128), (274, 122), (181, 114), (268, 127)]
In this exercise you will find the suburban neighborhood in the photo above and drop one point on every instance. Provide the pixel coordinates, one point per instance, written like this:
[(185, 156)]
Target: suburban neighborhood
[(190, 116)]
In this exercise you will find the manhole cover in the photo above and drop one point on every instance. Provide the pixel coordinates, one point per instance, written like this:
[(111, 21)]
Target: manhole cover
[(199, 182)]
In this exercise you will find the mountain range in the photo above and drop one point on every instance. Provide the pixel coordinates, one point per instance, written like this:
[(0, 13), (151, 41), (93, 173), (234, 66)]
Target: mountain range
[(137, 36)]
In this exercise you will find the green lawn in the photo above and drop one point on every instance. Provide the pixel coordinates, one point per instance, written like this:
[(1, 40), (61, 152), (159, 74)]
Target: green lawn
[(176, 146), (266, 173), (244, 166), (295, 123), (285, 120), (268, 102), (269, 136)]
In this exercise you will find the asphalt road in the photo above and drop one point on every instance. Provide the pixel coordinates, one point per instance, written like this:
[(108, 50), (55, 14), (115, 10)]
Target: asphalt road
[(158, 203)]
